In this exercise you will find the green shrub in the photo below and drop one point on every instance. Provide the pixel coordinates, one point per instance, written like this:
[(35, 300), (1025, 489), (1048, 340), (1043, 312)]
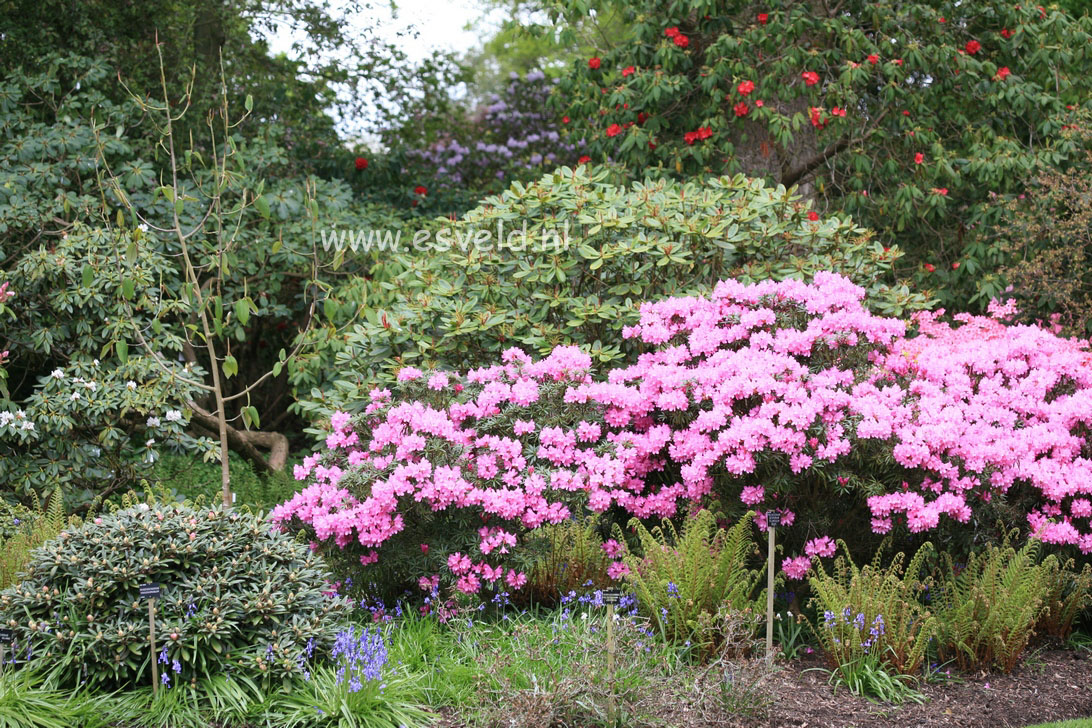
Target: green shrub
[(236, 596), (873, 614), (573, 560), (684, 580), (460, 304), (25, 529), (987, 610), (1069, 593), (193, 478)]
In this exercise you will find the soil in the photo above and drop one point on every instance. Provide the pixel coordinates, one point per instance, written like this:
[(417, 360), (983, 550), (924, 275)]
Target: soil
[(1048, 686)]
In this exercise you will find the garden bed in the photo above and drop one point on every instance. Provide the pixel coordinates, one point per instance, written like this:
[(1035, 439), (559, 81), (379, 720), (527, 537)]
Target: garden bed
[(1049, 685)]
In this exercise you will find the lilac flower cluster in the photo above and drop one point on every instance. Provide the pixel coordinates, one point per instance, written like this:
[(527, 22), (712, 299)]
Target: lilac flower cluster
[(360, 657), (512, 137)]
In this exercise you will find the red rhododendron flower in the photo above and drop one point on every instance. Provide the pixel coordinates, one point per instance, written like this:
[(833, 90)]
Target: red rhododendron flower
[(420, 190), (671, 32), (942, 191), (973, 46), (705, 132), (628, 71), (760, 103), (681, 41), (614, 130), (813, 215), (741, 109), (919, 158), (838, 112), (930, 267), (906, 113), (897, 61), (1006, 33), (641, 117), (361, 163), (652, 145), (424, 548), (873, 59), (955, 265), (583, 160), (745, 87), (594, 63), (1002, 73), (943, 19), (763, 18), (815, 116), (564, 120), (810, 78)]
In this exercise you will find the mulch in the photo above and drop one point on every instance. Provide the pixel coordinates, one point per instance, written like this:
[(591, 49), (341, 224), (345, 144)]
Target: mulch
[(1050, 685)]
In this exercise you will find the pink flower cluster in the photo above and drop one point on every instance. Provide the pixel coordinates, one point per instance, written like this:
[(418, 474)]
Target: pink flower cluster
[(783, 372)]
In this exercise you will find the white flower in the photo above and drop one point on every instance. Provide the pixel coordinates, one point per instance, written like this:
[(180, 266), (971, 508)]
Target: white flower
[(143, 507), (151, 441), (91, 385), (153, 422), (174, 416), (6, 418), (20, 415), (143, 227), (94, 362), (28, 426), (75, 396), (131, 385), (57, 374)]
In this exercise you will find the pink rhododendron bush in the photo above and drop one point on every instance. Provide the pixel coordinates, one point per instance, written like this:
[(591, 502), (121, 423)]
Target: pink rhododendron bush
[(786, 396)]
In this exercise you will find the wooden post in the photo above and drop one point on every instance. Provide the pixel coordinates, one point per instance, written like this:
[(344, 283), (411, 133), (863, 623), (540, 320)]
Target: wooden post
[(611, 598), (773, 520), (151, 639)]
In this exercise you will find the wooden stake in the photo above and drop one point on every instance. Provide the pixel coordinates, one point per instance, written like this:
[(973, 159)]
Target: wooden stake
[(769, 595), (151, 639)]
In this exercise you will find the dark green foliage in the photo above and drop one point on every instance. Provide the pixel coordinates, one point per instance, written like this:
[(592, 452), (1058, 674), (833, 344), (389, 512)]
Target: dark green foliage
[(236, 597), (573, 560), (593, 251)]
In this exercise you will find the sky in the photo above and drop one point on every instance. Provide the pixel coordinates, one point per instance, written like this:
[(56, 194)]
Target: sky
[(439, 25)]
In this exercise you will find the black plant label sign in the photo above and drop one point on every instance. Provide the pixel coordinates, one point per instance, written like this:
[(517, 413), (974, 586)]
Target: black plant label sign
[(612, 596), (148, 591), (7, 636), (773, 519)]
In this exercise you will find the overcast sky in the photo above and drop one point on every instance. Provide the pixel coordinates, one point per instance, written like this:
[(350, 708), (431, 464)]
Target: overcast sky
[(439, 24)]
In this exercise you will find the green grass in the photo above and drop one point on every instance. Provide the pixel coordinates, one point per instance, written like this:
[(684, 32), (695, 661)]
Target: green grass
[(1079, 723)]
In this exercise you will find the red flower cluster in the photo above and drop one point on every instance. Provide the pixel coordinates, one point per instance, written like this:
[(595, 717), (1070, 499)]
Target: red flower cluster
[(564, 120), (838, 112), (1002, 73), (873, 59), (594, 63), (614, 130), (741, 109), (930, 267), (583, 160), (628, 71), (673, 33), (745, 87), (763, 18), (810, 78), (919, 158), (641, 117), (702, 133), (1006, 33), (361, 164), (420, 190), (972, 47), (942, 191), (813, 215), (815, 116)]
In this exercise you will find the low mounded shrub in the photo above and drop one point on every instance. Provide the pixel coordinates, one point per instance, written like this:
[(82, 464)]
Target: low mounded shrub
[(236, 596)]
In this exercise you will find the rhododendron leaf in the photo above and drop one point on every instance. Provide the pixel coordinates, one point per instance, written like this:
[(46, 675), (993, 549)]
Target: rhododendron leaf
[(88, 275), (262, 205), (248, 104), (128, 289), (123, 351), (131, 252), (242, 311)]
